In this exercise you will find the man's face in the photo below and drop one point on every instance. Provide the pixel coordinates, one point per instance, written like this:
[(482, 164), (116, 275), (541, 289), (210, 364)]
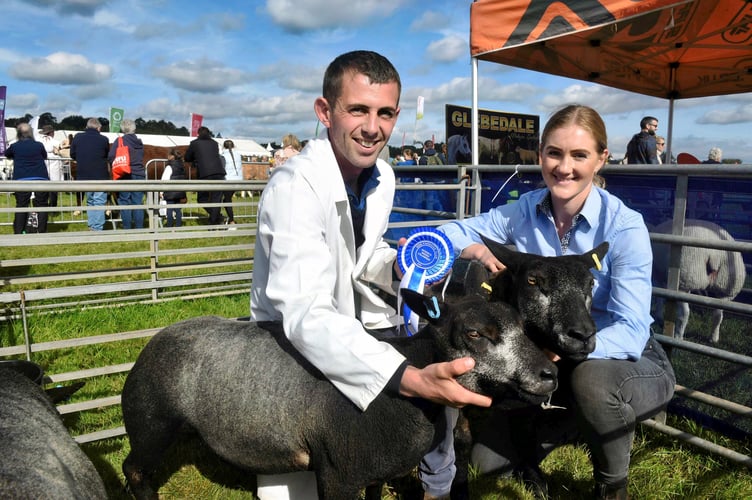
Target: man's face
[(652, 126), (360, 121)]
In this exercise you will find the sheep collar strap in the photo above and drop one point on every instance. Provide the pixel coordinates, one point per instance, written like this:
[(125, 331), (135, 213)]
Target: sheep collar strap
[(425, 258)]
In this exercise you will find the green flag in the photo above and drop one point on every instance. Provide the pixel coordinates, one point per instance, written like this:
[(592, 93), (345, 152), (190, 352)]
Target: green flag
[(116, 116)]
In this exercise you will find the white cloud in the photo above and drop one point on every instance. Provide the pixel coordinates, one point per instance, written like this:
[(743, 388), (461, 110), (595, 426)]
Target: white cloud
[(449, 49), (605, 100), (113, 20), (22, 101), (202, 75), (71, 7), (9, 56), (430, 20), (741, 114), (61, 67), (292, 76), (303, 15)]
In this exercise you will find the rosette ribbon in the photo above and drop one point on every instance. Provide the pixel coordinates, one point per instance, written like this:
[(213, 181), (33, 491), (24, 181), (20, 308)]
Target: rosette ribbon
[(425, 258)]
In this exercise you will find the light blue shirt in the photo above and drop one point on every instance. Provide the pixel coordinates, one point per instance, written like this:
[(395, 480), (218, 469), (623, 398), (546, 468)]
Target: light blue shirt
[(621, 297)]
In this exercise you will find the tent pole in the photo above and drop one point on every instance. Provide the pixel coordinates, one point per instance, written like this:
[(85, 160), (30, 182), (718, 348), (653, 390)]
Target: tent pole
[(671, 99), (474, 113)]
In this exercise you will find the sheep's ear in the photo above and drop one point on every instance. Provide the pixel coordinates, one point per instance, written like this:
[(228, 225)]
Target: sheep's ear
[(507, 256), (594, 257), (429, 308)]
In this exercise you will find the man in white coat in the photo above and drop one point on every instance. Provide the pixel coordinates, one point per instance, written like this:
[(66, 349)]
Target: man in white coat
[(320, 253)]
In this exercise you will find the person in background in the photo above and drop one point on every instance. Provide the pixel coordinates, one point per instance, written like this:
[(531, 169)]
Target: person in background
[(715, 155), (430, 156), (628, 376), (320, 250), (90, 149), (408, 157), (174, 171), (641, 148), (203, 152), (291, 145), (233, 172), (54, 161), (444, 152), (132, 218), (29, 158)]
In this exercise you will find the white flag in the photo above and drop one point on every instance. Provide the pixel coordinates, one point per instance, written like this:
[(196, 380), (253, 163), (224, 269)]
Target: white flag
[(34, 124), (419, 108)]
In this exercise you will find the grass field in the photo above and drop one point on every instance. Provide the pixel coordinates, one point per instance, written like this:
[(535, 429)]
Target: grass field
[(662, 467)]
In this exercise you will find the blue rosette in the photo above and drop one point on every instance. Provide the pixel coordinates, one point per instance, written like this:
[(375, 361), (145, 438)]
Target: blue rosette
[(425, 258)]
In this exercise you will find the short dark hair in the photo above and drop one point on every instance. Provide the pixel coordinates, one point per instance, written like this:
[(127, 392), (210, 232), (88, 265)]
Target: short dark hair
[(646, 121), (376, 67)]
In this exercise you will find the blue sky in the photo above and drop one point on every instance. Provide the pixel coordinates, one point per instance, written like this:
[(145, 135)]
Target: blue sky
[(253, 68)]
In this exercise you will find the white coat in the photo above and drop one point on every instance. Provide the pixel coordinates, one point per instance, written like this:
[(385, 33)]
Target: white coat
[(306, 272)]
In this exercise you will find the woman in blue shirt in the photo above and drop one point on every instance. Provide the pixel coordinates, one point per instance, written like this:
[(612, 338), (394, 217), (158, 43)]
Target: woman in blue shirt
[(628, 376)]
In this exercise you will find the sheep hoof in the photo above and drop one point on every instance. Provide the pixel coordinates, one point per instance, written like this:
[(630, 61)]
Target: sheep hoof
[(137, 483), (533, 479)]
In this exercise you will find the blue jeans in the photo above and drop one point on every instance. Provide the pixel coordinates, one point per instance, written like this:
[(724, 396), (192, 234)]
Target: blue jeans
[(96, 218), (604, 400), (131, 218)]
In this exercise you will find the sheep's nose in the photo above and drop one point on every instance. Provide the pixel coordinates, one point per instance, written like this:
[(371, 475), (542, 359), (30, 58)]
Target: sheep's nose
[(549, 373), (581, 333)]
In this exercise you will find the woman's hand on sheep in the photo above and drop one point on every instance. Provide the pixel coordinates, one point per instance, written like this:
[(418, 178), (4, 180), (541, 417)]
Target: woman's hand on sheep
[(480, 252), (438, 383)]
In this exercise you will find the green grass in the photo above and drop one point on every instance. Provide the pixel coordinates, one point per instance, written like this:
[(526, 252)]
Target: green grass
[(661, 467)]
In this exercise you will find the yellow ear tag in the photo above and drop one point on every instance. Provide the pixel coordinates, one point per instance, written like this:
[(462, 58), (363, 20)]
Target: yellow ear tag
[(597, 262), (486, 287)]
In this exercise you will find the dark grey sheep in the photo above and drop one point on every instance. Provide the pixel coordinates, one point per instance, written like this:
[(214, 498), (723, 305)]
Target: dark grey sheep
[(261, 406), (553, 295), (39, 458)]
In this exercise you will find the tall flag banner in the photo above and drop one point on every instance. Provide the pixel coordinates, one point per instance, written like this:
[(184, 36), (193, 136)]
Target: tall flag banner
[(116, 118), (3, 137), (196, 121), (418, 116), (34, 124)]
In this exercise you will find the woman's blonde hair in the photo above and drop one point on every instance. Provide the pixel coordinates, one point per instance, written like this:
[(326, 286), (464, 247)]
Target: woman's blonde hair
[(292, 141)]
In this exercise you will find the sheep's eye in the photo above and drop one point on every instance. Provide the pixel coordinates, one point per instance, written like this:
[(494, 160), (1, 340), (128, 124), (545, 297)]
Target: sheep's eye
[(532, 280), (473, 334)]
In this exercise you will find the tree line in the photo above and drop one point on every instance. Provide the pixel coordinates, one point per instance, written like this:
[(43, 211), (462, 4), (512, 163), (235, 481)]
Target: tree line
[(78, 122)]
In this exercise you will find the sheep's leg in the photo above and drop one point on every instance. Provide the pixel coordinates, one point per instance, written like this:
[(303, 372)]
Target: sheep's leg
[(717, 319), (147, 450), (330, 486), (373, 492), (682, 318), (463, 444), (137, 481)]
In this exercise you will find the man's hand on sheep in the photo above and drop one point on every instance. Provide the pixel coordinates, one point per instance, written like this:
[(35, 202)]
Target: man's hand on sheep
[(438, 383), (481, 253)]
